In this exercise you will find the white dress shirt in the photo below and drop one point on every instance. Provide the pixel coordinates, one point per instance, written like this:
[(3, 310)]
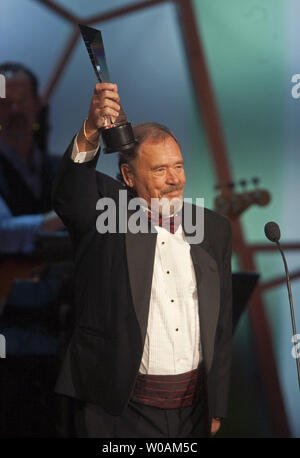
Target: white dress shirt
[(172, 344)]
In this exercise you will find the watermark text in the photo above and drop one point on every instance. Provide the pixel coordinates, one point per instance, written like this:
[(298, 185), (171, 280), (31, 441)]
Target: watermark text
[(133, 215), (2, 87), (2, 346)]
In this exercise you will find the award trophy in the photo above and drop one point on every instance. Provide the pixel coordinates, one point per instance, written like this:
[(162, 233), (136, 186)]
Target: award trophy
[(117, 135)]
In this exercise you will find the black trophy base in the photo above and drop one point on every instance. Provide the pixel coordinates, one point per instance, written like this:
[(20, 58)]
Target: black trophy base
[(118, 139)]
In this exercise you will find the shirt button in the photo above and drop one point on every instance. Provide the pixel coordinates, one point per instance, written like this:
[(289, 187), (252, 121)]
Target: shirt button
[(168, 271), (172, 300), (176, 329), (162, 243)]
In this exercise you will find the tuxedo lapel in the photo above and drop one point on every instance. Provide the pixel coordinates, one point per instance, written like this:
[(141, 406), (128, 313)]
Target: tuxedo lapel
[(208, 284), (208, 288), (140, 250)]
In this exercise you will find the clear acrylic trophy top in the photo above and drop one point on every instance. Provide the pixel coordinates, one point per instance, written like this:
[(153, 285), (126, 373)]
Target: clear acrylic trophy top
[(95, 47)]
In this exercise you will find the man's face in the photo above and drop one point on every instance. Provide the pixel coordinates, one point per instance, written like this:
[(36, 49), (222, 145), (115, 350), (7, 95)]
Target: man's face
[(158, 170), (19, 109)]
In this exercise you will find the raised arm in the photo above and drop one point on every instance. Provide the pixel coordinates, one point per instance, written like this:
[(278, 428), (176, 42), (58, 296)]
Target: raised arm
[(75, 190)]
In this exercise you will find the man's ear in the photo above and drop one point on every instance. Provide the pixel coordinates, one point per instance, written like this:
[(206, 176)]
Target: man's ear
[(128, 175)]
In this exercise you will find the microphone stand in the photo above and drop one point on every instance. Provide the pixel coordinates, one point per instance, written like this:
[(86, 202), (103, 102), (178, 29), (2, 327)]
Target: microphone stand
[(291, 303)]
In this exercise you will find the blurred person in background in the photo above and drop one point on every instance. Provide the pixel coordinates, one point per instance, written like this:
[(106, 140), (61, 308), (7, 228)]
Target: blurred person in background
[(26, 169), (29, 307)]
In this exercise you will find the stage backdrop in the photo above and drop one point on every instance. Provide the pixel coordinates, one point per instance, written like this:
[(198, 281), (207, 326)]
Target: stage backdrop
[(252, 52)]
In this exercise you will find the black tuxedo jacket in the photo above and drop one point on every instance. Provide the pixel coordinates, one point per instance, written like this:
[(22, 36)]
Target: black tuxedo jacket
[(113, 276)]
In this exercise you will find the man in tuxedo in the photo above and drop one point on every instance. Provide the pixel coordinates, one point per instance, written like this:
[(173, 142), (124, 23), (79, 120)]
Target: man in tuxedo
[(151, 349)]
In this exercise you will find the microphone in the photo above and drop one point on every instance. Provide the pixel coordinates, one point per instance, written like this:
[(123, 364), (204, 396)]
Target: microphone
[(272, 232)]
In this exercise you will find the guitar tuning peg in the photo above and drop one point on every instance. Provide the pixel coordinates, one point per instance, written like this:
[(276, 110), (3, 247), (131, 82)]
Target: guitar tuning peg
[(243, 183), (255, 181)]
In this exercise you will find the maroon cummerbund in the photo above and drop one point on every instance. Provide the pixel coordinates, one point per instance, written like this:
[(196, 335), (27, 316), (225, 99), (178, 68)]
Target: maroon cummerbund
[(170, 391)]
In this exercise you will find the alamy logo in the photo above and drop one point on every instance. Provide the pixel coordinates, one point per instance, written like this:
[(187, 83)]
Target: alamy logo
[(296, 88), (2, 346), (2, 87), (114, 217), (296, 347)]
